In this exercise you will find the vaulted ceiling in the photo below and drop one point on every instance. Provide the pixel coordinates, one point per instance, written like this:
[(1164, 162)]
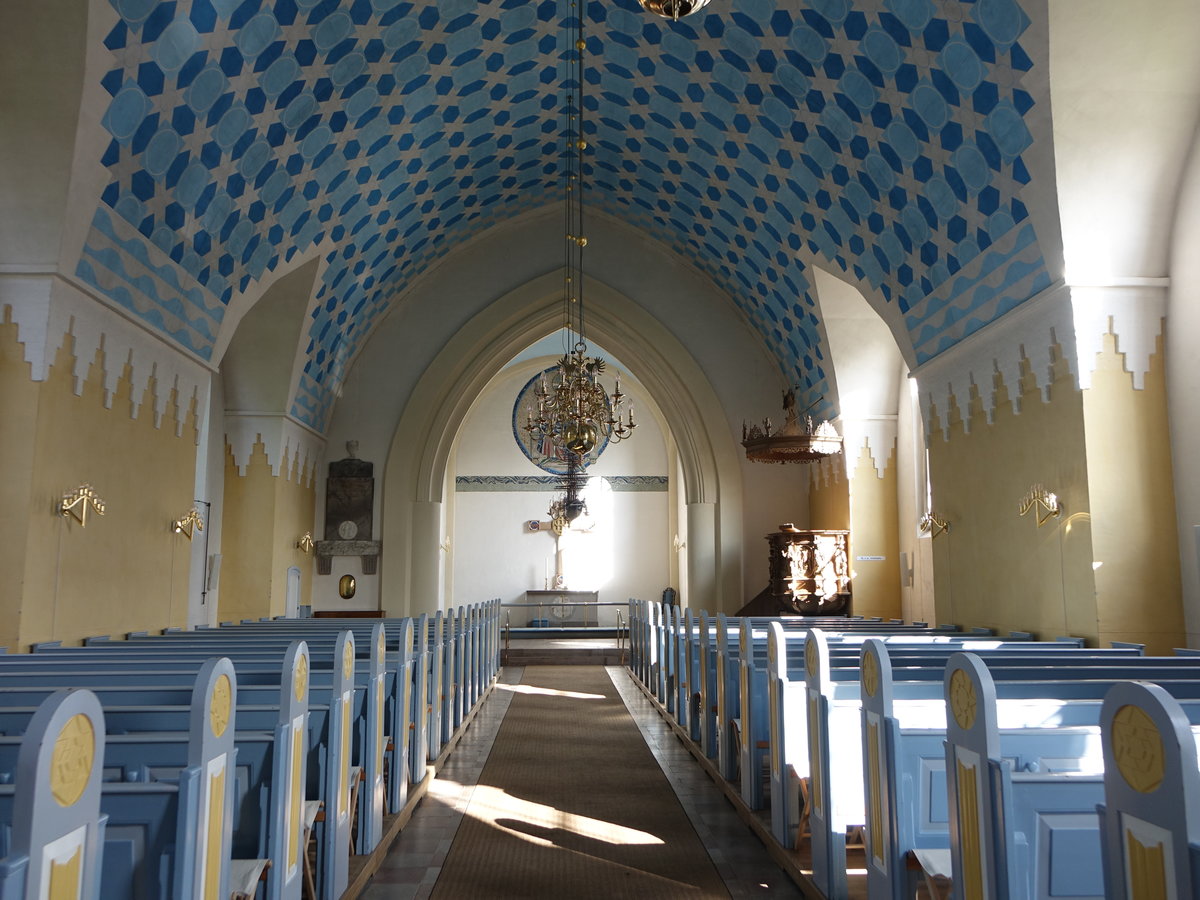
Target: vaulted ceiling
[(886, 140)]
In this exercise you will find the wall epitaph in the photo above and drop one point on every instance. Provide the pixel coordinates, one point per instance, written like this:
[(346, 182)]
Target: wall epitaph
[(349, 506)]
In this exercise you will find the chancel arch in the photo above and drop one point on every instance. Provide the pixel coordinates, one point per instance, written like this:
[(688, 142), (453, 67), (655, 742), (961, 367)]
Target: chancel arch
[(415, 479)]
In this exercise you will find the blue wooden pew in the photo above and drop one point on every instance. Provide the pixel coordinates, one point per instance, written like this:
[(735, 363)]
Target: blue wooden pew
[(329, 768), (833, 726), (171, 838), (1015, 834), (1150, 818), (368, 704), (55, 827), (904, 770)]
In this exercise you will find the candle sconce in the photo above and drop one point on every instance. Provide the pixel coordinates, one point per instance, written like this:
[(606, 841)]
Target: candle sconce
[(933, 525), (306, 543), (1046, 503), (76, 504), (188, 524)]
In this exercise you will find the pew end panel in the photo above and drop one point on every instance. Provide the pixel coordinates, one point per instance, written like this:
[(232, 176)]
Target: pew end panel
[(207, 788), (972, 780), (57, 827), (1151, 810)]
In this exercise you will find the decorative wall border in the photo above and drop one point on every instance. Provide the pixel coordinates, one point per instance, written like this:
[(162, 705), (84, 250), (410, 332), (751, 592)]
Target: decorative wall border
[(876, 433), (1132, 311), (1026, 334), (828, 471), (47, 309), (521, 483), (289, 445)]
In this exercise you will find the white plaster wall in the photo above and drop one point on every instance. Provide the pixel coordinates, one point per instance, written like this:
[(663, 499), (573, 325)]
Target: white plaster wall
[(1125, 91), (492, 553), (1183, 386)]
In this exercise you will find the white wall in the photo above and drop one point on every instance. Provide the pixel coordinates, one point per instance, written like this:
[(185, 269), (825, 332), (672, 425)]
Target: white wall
[(492, 552), (1183, 383)]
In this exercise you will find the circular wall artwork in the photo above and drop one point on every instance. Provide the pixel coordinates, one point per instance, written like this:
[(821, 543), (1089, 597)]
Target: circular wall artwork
[(545, 453)]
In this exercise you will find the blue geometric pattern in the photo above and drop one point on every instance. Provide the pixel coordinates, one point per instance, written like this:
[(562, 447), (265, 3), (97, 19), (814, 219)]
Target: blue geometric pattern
[(882, 137)]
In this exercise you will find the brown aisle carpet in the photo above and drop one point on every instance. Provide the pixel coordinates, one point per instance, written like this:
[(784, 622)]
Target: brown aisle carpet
[(571, 803)]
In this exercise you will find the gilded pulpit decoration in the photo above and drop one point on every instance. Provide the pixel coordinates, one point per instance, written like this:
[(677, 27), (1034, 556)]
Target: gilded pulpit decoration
[(810, 571), (349, 507)]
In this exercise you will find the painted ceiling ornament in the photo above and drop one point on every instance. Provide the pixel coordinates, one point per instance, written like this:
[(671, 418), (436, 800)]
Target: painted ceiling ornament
[(673, 9), (570, 413), (795, 442)]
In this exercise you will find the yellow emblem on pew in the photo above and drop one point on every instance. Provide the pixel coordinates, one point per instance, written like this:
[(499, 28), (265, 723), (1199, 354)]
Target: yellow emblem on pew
[(301, 676), (810, 659), (348, 660), (870, 674), (219, 705), (382, 645), (1138, 749), (71, 763), (962, 699), (75, 750)]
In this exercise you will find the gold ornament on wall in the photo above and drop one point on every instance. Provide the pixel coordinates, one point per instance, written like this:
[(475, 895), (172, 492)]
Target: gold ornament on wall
[(932, 524), (347, 586), (188, 524), (1046, 502), (306, 543), (76, 504)]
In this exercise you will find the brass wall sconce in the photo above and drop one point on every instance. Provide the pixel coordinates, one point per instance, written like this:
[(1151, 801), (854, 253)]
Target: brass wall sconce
[(306, 543), (1046, 502), (933, 525), (76, 504), (187, 525)]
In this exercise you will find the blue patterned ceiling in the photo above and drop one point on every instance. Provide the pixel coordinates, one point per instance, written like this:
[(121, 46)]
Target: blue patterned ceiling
[(883, 139)]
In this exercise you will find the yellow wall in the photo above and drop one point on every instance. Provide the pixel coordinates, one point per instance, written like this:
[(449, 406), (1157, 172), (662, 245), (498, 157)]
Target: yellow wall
[(19, 402), (875, 531), (1133, 504), (829, 497), (264, 517), (124, 571), (995, 568)]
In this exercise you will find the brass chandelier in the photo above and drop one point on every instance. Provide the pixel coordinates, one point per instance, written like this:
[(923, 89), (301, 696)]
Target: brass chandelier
[(574, 412), (673, 9)]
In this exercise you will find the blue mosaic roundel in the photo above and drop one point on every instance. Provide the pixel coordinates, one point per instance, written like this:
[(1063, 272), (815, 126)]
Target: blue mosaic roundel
[(881, 138), (546, 454)]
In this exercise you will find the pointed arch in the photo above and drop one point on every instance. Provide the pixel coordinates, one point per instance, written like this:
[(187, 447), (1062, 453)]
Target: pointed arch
[(415, 475)]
